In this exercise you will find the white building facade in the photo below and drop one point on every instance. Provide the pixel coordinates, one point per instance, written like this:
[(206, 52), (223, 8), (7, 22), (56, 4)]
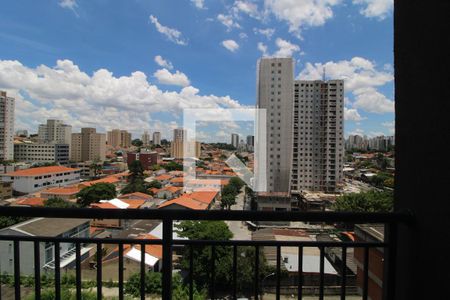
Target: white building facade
[(35, 179)]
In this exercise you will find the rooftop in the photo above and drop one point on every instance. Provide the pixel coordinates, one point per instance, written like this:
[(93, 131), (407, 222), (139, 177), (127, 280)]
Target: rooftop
[(46, 226), (41, 171)]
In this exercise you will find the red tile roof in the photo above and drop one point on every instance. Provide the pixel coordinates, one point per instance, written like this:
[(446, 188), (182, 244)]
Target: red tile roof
[(163, 177), (139, 195), (109, 179), (186, 202), (41, 171), (35, 201), (172, 189), (203, 196), (66, 190)]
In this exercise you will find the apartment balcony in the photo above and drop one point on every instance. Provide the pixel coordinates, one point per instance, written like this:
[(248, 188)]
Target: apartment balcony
[(278, 285)]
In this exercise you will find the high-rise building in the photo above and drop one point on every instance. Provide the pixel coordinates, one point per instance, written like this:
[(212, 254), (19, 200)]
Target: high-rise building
[(176, 149), (235, 140), (156, 138), (318, 146), (55, 131), (250, 140), (119, 138), (145, 138), (250, 143), (41, 152), (6, 127), (275, 80), (88, 145)]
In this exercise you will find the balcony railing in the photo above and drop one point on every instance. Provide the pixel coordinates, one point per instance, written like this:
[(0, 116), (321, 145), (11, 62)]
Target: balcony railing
[(391, 220)]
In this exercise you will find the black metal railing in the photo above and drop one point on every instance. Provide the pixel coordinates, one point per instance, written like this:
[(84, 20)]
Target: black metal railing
[(391, 220)]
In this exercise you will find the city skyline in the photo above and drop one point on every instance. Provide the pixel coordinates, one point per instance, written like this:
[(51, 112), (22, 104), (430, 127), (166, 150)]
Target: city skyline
[(145, 86)]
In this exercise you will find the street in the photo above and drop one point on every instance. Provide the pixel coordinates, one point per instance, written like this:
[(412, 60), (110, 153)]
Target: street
[(238, 228)]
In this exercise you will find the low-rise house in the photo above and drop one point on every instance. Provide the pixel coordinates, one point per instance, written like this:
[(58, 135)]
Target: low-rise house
[(29, 201), (206, 184), (163, 179), (115, 204), (136, 196), (177, 181), (289, 256), (196, 200), (34, 179), (68, 193), (132, 254), (109, 179), (169, 192), (43, 227)]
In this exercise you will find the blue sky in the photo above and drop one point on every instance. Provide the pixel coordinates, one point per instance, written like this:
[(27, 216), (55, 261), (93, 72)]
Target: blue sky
[(135, 64)]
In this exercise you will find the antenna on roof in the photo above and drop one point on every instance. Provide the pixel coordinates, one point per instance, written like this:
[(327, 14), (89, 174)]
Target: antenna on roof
[(323, 74)]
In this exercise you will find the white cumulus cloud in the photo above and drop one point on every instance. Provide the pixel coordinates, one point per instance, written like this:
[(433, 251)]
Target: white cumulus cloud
[(172, 34), (352, 114), (228, 21), (165, 77), (285, 48), (247, 7), (300, 14), (163, 62), (375, 8), (100, 99), (71, 4), (230, 45), (361, 77), (263, 49), (268, 32), (199, 3)]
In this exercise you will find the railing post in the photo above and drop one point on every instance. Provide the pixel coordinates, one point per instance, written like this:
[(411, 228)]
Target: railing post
[(167, 259)]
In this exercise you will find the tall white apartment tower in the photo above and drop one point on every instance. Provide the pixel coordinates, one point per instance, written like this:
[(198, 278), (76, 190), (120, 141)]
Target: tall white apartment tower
[(318, 146), (55, 131), (235, 140), (145, 138), (156, 138), (275, 93), (6, 127)]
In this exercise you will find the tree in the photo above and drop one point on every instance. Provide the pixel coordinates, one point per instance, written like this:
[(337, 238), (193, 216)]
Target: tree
[(96, 168), (371, 201), (136, 181), (154, 184), (58, 202), (137, 143), (237, 183), (389, 182), (202, 256), (95, 193), (173, 166), (229, 189), (153, 284), (227, 201), (6, 221), (207, 230), (382, 161)]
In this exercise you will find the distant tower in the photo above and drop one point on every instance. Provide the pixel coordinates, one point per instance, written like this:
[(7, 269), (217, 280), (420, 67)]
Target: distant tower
[(6, 127), (156, 138), (235, 140)]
